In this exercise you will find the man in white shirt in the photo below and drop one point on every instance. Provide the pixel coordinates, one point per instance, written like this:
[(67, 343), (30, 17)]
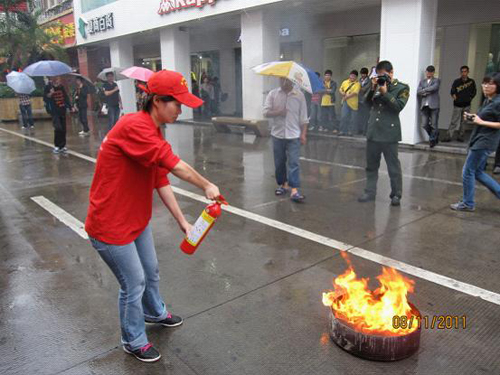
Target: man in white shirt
[(287, 110)]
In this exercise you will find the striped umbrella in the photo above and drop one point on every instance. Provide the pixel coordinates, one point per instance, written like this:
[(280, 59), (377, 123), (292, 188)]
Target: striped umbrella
[(304, 77)]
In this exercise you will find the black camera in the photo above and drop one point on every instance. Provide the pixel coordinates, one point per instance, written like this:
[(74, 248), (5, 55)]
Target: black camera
[(383, 79), (470, 117)]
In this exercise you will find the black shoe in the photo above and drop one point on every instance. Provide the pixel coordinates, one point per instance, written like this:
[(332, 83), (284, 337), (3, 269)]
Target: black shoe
[(395, 201), (170, 321), (366, 198), (145, 354), (432, 144)]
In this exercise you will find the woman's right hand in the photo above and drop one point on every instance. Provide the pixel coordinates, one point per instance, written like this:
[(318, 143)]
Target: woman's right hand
[(212, 192)]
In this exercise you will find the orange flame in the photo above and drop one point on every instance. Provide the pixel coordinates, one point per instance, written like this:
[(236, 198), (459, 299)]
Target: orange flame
[(372, 312)]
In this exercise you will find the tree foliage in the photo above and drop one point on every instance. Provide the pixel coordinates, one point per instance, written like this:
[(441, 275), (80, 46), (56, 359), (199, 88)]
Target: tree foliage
[(23, 41)]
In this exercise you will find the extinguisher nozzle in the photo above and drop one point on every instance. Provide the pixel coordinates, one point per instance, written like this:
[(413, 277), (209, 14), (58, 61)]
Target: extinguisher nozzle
[(221, 200)]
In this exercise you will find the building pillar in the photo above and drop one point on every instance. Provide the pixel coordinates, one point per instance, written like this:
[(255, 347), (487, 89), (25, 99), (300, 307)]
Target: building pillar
[(407, 40), (83, 61), (176, 55), (259, 44), (122, 56), (454, 54)]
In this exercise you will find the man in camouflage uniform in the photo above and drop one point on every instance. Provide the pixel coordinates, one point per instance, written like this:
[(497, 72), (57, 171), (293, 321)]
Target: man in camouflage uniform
[(384, 131)]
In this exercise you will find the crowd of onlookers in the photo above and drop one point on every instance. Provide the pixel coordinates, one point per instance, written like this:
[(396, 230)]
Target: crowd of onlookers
[(210, 91), (354, 111)]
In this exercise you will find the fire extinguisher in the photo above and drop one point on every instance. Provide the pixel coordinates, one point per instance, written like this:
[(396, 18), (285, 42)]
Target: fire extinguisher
[(202, 226)]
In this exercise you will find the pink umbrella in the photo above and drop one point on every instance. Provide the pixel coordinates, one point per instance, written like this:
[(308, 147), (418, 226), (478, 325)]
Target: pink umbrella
[(139, 73)]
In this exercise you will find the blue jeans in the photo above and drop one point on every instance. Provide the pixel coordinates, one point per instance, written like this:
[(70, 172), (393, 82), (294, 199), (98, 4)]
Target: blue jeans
[(474, 167), (136, 268), (315, 118), (26, 115), (348, 120), (113, 116), (286, 161), (430, 118), (329, 117)]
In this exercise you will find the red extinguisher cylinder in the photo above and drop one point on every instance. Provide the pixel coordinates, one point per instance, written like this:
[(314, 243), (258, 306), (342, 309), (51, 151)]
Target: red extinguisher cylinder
[(202, 226)]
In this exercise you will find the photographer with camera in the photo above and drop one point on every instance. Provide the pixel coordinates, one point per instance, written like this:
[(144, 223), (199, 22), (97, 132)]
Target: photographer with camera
[(386, 98)]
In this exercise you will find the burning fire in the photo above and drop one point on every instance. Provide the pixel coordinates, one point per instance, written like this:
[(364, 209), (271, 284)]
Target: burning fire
[(372, 312)]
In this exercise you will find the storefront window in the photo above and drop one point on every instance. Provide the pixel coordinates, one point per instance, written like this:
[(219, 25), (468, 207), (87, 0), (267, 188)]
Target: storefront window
[(291, 52), (344, 54), (484, 52), (88, 5), (205, 64)]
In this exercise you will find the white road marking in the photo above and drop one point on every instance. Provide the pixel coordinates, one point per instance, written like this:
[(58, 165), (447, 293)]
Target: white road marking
[(76, 225), (433, 277)]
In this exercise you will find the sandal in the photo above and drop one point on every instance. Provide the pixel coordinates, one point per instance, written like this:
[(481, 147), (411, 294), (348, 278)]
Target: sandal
[(297, 198), (280, 191)]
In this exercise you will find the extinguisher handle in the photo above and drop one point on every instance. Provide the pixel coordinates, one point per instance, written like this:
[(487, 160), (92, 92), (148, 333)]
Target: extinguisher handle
[(221, 200)]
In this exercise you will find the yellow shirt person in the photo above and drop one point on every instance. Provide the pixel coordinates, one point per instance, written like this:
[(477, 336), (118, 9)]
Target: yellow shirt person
[(326, 100), (349, 87)]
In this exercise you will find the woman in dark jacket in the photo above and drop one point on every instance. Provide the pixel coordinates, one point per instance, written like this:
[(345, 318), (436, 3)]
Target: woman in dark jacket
[(483, 142)]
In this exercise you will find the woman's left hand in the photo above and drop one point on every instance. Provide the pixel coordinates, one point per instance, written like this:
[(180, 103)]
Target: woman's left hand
[(478, 120)]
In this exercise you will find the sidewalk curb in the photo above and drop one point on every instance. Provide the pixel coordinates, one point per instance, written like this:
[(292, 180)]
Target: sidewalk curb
[(418, 147)]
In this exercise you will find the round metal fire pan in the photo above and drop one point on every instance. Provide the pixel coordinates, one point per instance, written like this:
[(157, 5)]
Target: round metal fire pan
[(374, 347)]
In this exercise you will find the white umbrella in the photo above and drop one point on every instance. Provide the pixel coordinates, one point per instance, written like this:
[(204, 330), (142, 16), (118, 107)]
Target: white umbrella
[(20, 83), (115, 71), (49, 68)]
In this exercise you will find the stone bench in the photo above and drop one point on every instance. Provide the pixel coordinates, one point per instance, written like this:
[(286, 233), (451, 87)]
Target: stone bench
[(259, 127)]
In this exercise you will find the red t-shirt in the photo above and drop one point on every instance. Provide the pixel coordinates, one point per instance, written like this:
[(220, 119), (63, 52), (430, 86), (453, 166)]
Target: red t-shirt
[(127, 172)]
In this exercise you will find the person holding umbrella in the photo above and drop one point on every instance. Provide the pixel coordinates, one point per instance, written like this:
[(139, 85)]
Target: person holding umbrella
[(287, 109), (23, 86), (26, 112), (57, 102), (133, 161)]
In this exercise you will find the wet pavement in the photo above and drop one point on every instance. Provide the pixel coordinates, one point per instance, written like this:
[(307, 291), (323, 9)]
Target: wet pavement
[(251, 295)]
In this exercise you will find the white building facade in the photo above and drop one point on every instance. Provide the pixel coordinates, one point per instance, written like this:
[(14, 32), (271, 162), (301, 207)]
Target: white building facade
[(225, 38)]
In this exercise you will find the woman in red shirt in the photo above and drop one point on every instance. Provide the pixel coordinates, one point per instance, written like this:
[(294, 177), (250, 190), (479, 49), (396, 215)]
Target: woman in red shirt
[(133, 161)]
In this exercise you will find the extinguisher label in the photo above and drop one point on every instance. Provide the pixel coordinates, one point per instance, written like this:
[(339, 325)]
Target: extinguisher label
[(199, 229)]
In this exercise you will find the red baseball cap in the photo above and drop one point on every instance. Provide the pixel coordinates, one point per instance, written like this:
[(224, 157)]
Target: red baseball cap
[(170, 83)]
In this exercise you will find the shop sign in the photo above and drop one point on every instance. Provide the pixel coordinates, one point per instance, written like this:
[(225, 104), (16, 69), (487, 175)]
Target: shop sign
[(285, 32), (169, 6), (96, 25)]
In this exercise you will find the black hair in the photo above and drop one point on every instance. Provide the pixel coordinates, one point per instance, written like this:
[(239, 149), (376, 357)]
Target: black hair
[(495, 78), (430, 69), (110, 73), (148, 103), (364, 71), (464, 67), (385, 65), (328, 71), (355, 72)]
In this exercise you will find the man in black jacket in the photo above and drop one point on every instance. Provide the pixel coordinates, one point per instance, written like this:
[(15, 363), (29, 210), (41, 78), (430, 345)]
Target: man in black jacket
[(57, 100), (463, 91), (81, 105)]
